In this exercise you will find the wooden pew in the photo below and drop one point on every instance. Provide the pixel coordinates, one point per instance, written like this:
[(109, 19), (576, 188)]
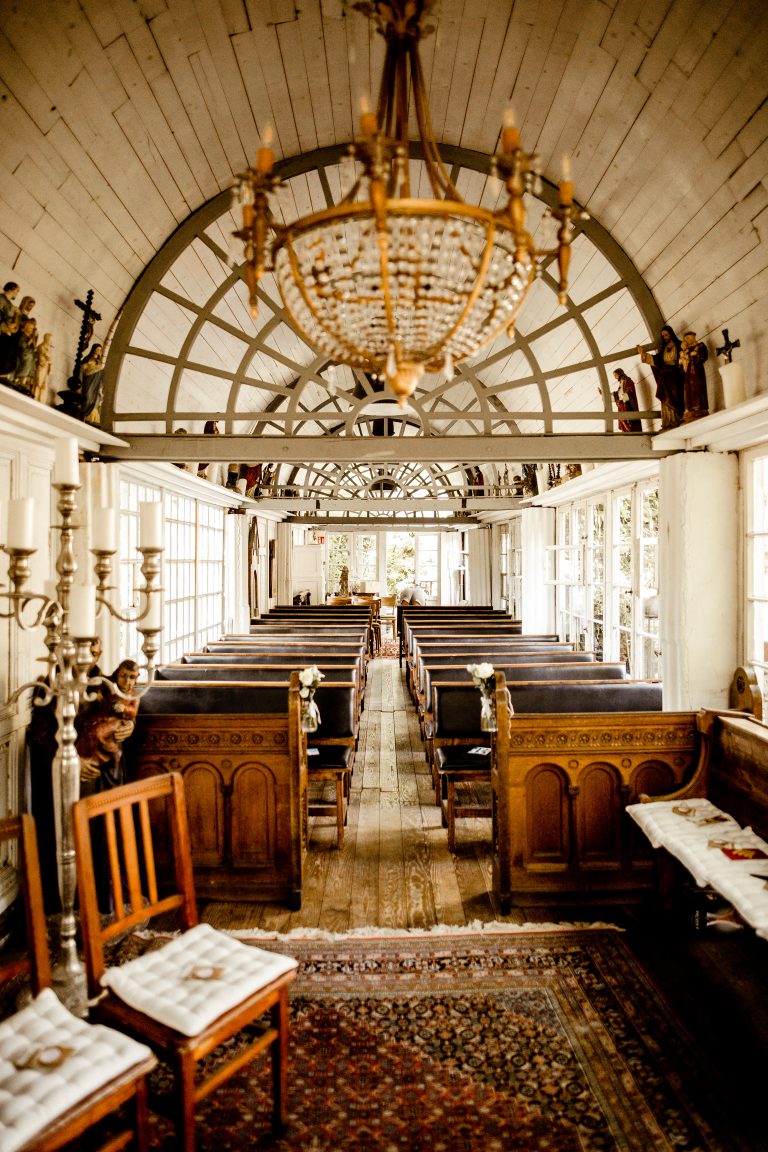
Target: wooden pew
[(560, 784), (332, 673), (528, 672), (725, 799), (455, 725), (243, 757), (474, 650), (405, 613)]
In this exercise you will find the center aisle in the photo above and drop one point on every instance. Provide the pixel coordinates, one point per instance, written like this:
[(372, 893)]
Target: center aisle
[(395, 870)]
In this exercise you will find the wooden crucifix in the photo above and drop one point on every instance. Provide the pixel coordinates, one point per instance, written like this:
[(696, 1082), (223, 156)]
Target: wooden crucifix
[(73, 397), (728, 347)]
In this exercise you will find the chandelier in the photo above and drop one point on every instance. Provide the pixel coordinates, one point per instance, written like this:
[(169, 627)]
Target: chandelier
[(388, 282)]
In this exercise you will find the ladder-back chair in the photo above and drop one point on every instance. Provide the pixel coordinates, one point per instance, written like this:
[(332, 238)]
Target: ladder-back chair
[(200, 989), (61, 1076)]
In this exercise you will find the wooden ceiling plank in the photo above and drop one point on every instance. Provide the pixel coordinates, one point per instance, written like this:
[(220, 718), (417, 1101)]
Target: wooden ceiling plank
[(445, 46), (235, 17), (718, 59), (145, 103), (68, 220), (529, 73), (174, 50), (337, 63), (29, 94), (678, 230), (247, 56), (680, 18), (292, 49), (620, 103), (273, 70), (163, 178), (742, 108), (113, 154), (499, 55), (225, 64), (213, 94), (313, 50), (467, 64), (100, 190), (102, 16), (172, 109), (22, 137), (576, 105)]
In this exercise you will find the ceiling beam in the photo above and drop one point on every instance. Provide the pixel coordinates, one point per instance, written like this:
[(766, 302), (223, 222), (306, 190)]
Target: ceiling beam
[(560, 448)]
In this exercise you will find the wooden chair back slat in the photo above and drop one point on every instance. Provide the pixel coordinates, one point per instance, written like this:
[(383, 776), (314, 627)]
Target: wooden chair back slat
[(35, 961), (149, 856)]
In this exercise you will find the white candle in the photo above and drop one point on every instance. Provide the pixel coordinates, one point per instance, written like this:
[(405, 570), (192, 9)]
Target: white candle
[(66, 469), (151, 525), (104, 533), (566, 168), (82, 611), (154, 618), (21, 524)]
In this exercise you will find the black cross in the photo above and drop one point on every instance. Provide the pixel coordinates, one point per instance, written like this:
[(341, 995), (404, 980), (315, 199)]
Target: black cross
[(728, 347), (90, 317)]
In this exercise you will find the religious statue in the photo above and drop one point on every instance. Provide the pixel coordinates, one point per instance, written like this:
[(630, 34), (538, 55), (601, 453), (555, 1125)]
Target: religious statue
[(43, 368), (91, 374), (693, 356), (18, 340), (530, 481), (103, 726), (625, 398), (665, 365), (23, 377), (344, 582)]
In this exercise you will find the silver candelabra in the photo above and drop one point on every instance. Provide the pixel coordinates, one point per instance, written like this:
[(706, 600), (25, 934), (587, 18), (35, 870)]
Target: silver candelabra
[(70, 629)]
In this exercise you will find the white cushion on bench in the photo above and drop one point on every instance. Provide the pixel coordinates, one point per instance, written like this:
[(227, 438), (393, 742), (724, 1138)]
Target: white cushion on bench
[(32, 1099), (687, 839), (159, 983)]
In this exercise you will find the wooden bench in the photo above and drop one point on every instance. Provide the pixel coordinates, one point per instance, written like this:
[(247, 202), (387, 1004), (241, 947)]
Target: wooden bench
[(241, 752), (455, 725), (715, 827), (526, 671), (560, 784)]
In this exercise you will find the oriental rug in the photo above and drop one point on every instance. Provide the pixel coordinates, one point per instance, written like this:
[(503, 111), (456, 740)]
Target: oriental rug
[(551, 1041)]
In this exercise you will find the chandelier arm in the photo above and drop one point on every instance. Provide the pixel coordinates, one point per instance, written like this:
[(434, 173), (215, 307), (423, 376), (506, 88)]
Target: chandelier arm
[(384, 108), (441, 182)]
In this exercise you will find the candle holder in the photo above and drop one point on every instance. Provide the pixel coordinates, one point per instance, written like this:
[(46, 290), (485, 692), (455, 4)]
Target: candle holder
[(65, 685)]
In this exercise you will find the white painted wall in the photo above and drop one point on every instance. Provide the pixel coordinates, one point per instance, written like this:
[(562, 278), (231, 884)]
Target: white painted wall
[(699, 587), (538, 532)]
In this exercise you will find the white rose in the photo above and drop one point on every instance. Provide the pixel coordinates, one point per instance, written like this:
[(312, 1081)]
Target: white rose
[(484, 671), (307, 676)]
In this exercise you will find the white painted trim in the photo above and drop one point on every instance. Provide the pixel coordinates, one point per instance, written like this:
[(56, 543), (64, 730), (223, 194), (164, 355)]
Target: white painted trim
[(745, 425)]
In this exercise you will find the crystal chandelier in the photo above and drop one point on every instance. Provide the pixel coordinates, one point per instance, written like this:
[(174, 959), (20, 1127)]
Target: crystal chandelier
[(387, 282)]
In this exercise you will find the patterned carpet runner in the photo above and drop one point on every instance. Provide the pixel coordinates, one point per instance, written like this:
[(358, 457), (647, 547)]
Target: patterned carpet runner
[(540, 1042)]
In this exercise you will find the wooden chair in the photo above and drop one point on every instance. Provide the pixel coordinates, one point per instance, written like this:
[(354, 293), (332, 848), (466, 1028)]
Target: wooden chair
[(199, 990), (388, 614), (61, 1076)]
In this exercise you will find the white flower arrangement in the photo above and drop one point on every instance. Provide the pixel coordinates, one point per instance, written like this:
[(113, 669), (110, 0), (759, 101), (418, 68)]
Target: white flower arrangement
[(482, 676), (309, 678)]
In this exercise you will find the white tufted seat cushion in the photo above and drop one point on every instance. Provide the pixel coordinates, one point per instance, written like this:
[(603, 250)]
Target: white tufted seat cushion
[(33, 1098), (694, 839), (160, 983)]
